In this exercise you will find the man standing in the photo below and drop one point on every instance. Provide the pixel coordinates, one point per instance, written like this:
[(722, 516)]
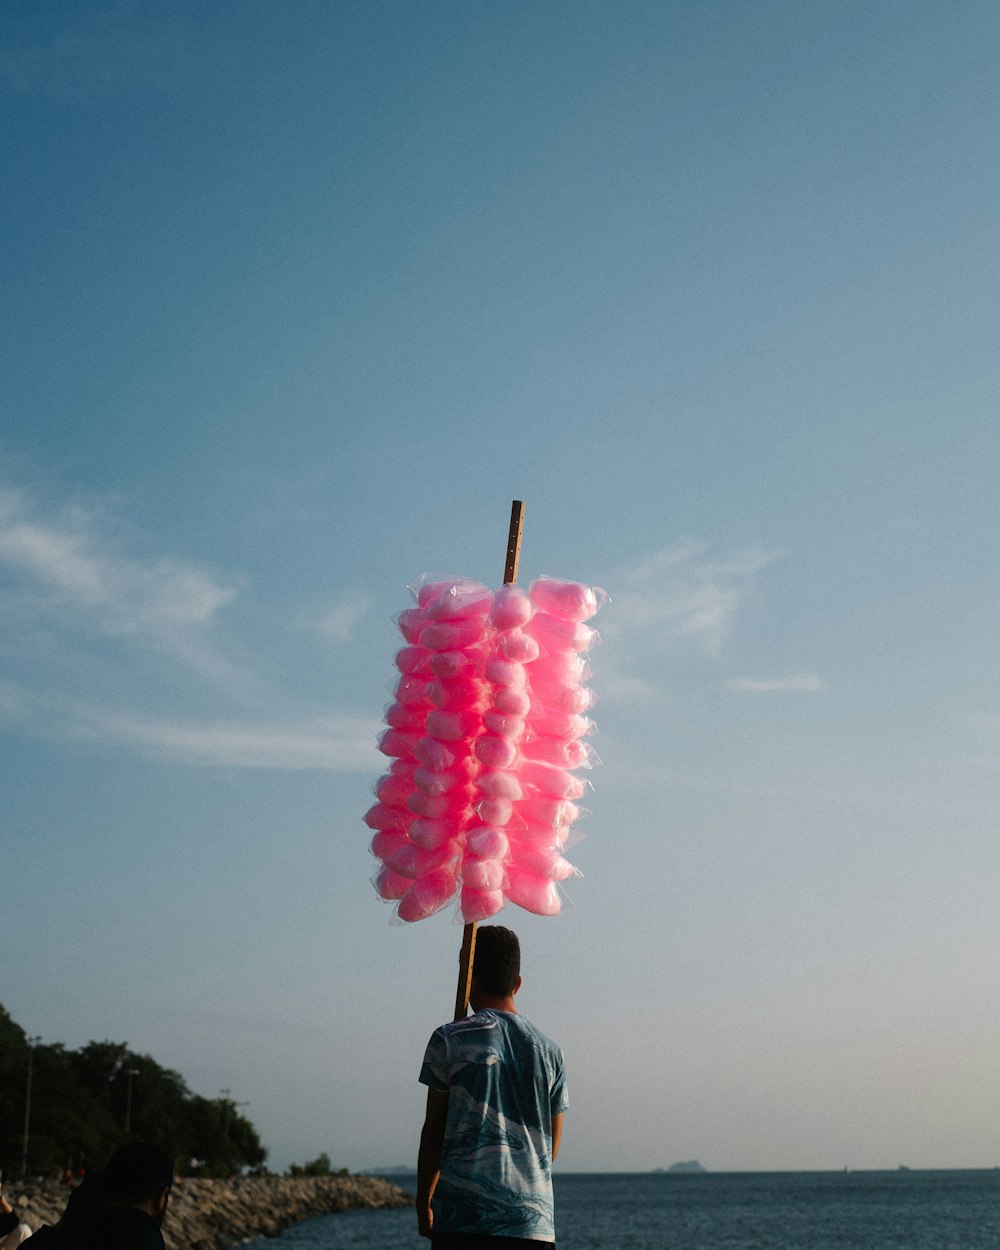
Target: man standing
[(496, 1093)]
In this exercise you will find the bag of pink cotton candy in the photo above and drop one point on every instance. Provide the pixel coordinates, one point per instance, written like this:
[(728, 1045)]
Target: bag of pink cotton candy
[(426, 896), (484, 733)]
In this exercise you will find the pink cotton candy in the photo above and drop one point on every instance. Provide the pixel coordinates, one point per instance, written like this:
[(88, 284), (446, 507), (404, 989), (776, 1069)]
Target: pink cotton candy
[(410, 623), (486, 725), (448, 665), (483, 874), (458, 601), (511, 702), (555, 634), (558, 783), (395, 742), (559, 752), (413, 861), (533, 893), (452, 726), (425, 591), (509, 727), (393, 789), (411, 660), (485, 842), (512, 608), (382, 816), (560, 667), (451, 806), (506, 673), (390, 885), (542, 862), (433, 754), (559, 697), (426, 896), (548, 812), (570, 600), (387, 842), (480, 905), (432, 782), (455, 696), (411, 692), (496, 784), (399, 716), (517, 646), (495, 752), (429, 834), (495, 811), (554, 724), (452, 635)]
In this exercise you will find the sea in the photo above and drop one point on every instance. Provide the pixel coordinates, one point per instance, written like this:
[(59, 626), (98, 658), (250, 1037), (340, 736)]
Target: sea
[(902, 1210)]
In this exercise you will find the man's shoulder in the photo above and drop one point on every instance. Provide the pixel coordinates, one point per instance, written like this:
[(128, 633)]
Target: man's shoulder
[(535, 1033), (121, 1228)]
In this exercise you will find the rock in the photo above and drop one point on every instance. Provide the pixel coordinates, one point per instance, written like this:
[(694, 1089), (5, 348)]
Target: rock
[(213, 1215)]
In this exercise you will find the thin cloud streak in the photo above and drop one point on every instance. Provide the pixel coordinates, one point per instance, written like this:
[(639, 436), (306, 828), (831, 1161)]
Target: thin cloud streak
[(678, 593), (799, 681), (72, 582), (73, 568), (340, 621), (336, 744), (341, 742)]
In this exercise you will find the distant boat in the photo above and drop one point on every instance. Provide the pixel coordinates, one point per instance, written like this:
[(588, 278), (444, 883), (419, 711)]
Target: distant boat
[(691, 1166)]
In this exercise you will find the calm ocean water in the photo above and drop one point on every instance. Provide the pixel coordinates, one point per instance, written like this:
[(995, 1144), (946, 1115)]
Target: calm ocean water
[(725, 1211)]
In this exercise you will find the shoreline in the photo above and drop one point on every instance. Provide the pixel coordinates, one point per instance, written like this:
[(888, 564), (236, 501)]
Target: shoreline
[(216, 1214)]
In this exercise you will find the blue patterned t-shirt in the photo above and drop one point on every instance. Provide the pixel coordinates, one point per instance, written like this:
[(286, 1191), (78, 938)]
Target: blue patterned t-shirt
[(505, 1082)]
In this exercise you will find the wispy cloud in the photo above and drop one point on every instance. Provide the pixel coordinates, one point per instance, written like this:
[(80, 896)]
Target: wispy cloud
[(767, 685), (670, 600), (84, 619), (339, 622), (72, 566), (340, 744), (680, 592)]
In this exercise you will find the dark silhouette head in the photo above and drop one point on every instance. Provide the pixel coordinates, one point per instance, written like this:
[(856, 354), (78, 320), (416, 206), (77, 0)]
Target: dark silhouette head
[(84, 1200), (137, 1175), (496, 968)]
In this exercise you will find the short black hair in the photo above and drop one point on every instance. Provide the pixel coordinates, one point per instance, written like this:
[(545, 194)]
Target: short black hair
[(136, 1173), (497, 962)]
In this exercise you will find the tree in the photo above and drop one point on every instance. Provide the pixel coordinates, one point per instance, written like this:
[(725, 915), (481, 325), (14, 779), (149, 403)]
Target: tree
[(82, 1100), (320, 1166)]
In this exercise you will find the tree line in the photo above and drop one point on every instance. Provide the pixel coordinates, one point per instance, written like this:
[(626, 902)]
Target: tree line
[(85, 1103)]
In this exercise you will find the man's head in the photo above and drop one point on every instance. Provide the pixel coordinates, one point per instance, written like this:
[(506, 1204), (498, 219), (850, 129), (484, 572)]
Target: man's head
[(496, 968), (138, 1175)]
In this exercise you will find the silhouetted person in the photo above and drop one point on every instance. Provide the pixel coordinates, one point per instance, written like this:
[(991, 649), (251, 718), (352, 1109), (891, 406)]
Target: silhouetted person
[(134, 1189), (84, 1200), (496, 1093), (13, 1229)]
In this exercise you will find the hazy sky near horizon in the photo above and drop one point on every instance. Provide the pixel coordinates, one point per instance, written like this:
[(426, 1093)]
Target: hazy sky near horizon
[(296, 299)]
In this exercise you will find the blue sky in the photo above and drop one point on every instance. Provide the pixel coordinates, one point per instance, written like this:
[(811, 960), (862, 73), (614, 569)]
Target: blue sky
[(296, 300)]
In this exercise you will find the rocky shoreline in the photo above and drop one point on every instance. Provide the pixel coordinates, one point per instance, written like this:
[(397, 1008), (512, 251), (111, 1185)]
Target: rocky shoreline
[(213, 1215)]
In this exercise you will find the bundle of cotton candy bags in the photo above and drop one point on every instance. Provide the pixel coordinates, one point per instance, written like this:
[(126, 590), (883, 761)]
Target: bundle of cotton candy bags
[(486, 734)]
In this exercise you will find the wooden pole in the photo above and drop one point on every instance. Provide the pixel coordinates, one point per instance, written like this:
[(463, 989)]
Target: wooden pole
[(468, 954)]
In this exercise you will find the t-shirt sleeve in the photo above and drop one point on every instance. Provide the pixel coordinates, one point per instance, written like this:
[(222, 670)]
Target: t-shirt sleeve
[(434, 1073), (559, 1094)]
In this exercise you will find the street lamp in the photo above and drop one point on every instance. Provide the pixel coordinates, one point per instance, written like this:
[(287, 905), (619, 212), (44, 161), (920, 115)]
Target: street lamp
[(32, 1040), (229, 1105), (130, 1073)]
